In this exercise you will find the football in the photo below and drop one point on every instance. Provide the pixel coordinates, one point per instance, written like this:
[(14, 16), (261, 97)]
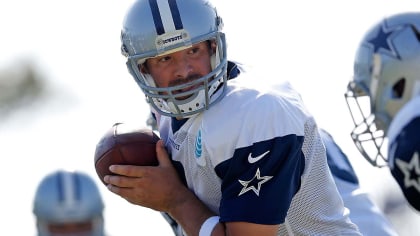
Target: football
[(125, 144)]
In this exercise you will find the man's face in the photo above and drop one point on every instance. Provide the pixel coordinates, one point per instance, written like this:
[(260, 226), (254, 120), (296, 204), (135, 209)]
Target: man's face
[(180, 67), (76, 228)]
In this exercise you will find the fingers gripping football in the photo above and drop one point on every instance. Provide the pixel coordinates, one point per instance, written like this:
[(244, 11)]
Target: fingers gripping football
[(123, 144)]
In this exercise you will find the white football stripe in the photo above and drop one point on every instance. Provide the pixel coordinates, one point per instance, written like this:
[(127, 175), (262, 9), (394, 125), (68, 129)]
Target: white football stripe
[(68, 190), (166, 15)]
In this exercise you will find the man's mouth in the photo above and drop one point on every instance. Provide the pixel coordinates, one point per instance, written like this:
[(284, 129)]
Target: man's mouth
[(185, 91)]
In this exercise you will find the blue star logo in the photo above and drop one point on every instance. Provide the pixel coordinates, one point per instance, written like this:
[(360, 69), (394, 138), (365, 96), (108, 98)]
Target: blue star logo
[(381, 41), (254, 184), (411, 171)]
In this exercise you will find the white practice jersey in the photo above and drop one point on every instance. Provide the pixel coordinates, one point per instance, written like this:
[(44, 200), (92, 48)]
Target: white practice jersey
[(257, 156)]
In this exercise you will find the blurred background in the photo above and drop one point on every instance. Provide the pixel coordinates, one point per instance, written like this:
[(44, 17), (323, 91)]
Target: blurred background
[(63, 83)]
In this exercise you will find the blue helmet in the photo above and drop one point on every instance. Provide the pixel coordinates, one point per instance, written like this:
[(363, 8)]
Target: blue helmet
[(66, 197), (386, 76), (154, 28)]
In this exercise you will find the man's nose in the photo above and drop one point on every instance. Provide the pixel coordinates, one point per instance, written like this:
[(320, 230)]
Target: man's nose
[(183, 67)]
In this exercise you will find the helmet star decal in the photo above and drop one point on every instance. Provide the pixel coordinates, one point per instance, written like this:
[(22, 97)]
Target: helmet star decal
[(381, 41), (254, 184), (411, 171)]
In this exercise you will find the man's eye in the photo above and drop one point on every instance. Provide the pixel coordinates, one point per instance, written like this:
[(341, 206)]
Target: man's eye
[(164, 59), (194, 50)]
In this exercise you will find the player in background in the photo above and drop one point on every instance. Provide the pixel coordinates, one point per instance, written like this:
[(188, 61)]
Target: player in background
[(363, 211), (233, 159), (404, 150), (383, 99), (68, 203)]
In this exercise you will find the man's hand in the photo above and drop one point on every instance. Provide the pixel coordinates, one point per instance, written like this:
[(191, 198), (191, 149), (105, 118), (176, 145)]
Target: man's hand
[(156, 187)]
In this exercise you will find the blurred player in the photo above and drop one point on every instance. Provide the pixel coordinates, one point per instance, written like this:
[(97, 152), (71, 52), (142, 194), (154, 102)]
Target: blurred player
[(404, 150), (68, 203), (363, 211), (383, 100)]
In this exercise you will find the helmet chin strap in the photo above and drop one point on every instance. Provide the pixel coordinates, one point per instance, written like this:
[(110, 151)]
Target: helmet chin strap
[(186, 105), (196, 102)]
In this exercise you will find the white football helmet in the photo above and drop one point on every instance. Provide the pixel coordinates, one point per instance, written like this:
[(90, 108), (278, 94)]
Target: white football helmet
[(67, 199), (386, 75), (157, 27)]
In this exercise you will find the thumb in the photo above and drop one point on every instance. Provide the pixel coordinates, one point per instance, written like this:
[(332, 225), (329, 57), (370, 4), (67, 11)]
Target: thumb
[(162, 154)]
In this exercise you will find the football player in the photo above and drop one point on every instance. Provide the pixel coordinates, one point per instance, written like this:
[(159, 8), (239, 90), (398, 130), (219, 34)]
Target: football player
[(68, 203), (404, 150), (383, 100), (234, 159), (363, 211)]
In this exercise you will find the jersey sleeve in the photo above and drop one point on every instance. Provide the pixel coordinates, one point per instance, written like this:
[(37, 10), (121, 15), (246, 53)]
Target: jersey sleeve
[(264, 173), (260, 181)]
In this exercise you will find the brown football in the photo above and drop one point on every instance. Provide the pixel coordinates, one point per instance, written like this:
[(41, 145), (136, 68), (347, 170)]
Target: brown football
[(125, 144)]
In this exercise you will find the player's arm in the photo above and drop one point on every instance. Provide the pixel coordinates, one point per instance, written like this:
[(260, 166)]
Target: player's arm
[(160, 188), (193, 216)]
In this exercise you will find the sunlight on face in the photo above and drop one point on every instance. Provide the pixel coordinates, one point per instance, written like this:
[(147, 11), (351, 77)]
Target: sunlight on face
[(180, 67)]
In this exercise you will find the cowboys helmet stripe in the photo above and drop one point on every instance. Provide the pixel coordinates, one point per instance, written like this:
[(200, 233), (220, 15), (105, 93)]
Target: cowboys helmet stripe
[(175, 15), (165, 15), (68, 189)]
